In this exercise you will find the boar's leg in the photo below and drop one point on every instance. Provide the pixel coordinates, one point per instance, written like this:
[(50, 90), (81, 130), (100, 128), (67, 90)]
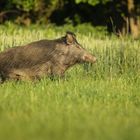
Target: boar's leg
[(47, 69), (18, 74)]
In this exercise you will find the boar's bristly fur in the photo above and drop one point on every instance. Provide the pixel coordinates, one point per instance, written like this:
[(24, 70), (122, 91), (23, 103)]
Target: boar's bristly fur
[(42, 58)]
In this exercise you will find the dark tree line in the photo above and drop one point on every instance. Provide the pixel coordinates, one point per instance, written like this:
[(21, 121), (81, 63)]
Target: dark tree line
[(120, 16)]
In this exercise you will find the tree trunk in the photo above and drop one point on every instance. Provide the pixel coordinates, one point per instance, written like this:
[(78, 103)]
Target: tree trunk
[(133, 19)]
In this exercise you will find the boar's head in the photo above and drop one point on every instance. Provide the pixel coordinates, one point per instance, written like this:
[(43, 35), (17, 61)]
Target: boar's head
[(76, 53)]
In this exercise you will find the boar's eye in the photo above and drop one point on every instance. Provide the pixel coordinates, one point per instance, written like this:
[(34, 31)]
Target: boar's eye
[(77, 44)]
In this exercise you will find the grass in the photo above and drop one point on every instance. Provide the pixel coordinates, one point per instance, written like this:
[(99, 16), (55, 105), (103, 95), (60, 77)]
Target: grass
[(100, 101)]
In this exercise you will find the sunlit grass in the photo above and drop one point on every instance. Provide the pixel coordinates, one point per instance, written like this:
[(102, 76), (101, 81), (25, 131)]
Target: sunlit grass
[(100, 101)]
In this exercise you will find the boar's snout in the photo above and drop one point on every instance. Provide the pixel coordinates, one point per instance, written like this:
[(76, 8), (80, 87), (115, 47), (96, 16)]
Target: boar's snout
[(89, 58)]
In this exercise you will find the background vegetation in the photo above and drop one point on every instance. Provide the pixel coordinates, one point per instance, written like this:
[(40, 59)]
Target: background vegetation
[(120, 16)]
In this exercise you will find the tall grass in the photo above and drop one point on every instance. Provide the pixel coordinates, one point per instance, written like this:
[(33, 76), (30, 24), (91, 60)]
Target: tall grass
[(100, 101)]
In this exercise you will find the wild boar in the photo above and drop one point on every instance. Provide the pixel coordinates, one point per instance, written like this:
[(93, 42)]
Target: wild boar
[(43, 58)]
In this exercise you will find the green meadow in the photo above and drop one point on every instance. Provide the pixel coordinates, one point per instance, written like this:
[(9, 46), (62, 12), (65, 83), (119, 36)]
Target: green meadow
[(93, 102)]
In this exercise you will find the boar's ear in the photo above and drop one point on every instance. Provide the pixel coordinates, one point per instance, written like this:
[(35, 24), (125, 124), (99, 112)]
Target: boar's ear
[(70, 38)]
